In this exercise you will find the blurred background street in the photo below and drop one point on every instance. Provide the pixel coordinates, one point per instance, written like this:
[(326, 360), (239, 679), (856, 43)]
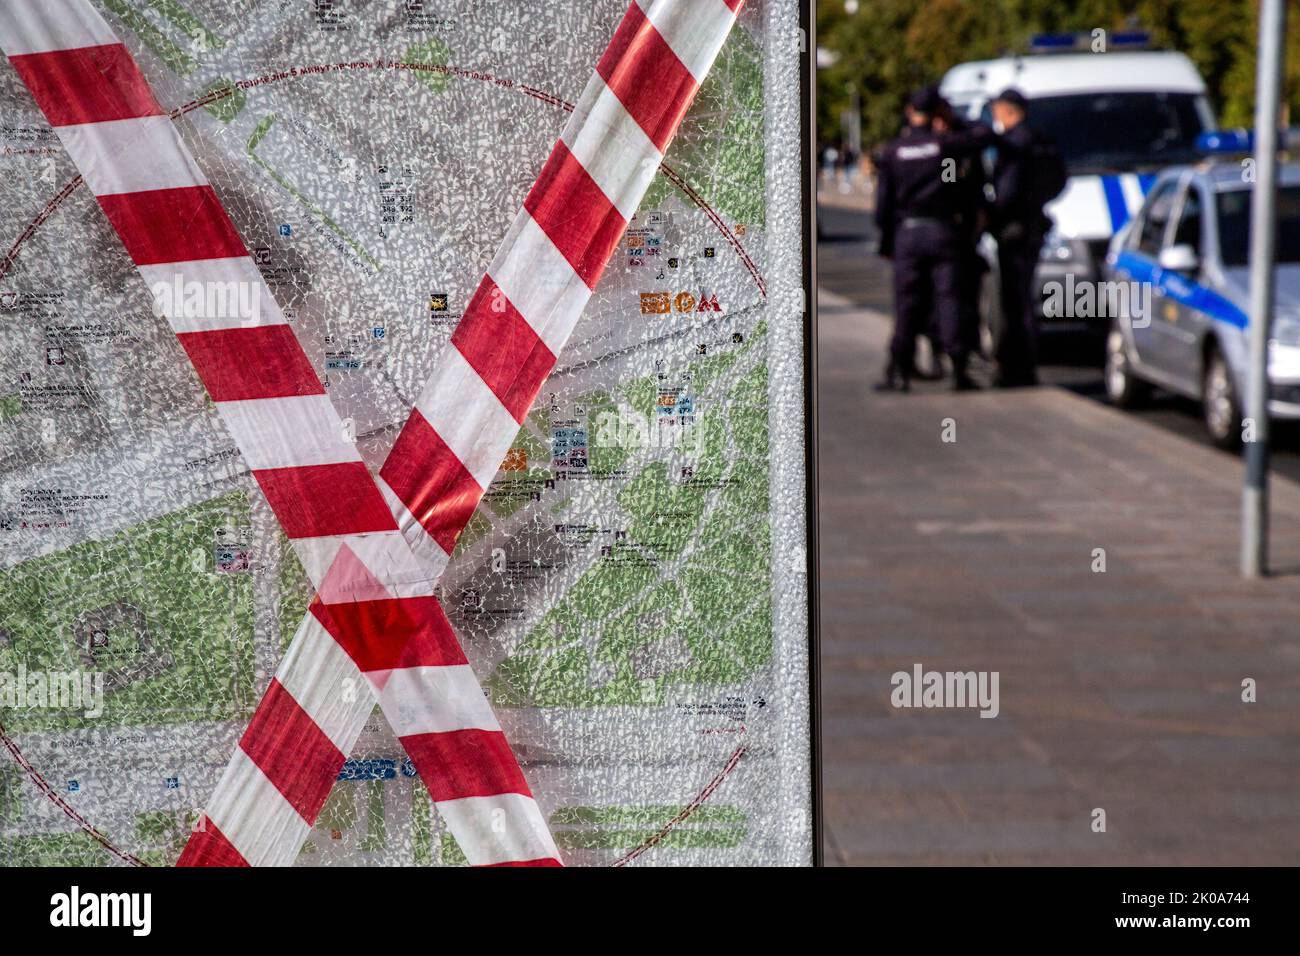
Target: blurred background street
[(848, 267), (1119, 690)]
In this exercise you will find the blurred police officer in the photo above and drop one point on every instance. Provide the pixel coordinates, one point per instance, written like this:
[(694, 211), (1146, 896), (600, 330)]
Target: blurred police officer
[(932, 370), (972, 220), (918, 206), (1028, 174)]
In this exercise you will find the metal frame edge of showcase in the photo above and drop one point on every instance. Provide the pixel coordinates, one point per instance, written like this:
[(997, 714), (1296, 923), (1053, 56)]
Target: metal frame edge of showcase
[(808, 105)]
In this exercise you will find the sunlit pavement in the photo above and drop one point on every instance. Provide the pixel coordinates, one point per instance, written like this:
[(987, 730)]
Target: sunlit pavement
[(1119, 690)]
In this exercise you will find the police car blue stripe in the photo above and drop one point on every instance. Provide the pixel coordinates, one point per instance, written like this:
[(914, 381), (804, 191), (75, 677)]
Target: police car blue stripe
[(1115, 202), (1146, 181), (1181, 289)]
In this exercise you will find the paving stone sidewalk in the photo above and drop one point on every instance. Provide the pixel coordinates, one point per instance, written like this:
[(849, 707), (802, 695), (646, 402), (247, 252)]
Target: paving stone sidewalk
[(1118, 690)]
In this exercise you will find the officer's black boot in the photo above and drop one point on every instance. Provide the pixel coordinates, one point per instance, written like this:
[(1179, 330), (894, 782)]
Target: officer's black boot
[(896, 379), (961, 380)]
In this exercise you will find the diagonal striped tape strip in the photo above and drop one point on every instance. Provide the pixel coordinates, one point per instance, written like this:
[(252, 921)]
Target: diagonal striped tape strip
[(526, 306), (174, 227), (573, 217)]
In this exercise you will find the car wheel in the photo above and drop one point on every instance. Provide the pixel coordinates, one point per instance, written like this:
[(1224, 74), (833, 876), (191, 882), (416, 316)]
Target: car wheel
[(1123, 389), (1219, 403)]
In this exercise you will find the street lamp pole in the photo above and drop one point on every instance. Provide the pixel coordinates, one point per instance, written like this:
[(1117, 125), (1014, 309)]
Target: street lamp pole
[(1268, 94)]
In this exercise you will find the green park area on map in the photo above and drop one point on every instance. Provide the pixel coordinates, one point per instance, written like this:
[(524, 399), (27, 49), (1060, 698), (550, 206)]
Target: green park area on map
[(147, 608)]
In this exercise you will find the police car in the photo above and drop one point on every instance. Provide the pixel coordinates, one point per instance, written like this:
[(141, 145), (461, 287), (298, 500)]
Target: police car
[(1118, 117), (1188, 245)]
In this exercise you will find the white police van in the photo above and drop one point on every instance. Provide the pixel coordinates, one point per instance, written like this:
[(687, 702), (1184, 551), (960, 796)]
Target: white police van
[(1118, 117)]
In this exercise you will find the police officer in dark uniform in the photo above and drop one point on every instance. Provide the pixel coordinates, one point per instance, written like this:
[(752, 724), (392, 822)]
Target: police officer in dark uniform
[(918, 204), (934, 371), (1028, 174), (972, 220)]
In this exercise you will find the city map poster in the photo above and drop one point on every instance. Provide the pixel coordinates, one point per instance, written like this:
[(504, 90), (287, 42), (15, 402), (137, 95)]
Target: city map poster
[(431, 489)]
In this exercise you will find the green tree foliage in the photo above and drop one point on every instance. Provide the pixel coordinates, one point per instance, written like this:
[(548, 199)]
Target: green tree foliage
[(889, 47)]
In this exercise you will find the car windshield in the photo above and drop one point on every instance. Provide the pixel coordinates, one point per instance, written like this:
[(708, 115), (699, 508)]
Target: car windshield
[(1119, 132), (1234, 225)]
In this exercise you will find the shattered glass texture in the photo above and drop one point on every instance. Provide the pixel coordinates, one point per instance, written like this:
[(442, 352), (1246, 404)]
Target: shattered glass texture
[(632, 591)]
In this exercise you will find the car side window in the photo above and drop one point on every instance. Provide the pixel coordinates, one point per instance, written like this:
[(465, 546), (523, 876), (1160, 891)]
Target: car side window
[(1151, 234), (1188, 230)]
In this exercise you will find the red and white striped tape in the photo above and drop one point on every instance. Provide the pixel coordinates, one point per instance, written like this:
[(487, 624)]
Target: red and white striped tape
[(373, 591), (526, 306), (446, 455)]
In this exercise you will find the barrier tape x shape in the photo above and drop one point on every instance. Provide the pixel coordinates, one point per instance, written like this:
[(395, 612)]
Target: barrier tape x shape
[(373, 546)]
